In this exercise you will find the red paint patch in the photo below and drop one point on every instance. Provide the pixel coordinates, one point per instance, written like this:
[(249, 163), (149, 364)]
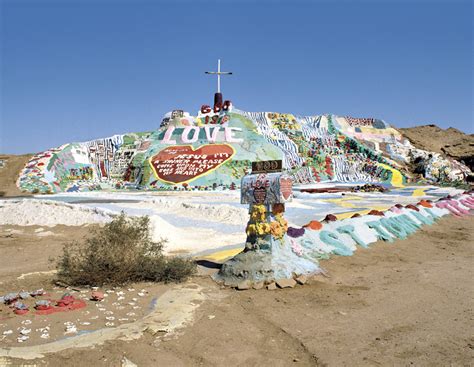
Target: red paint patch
[(20, 312), (75, 305), (178, 164)]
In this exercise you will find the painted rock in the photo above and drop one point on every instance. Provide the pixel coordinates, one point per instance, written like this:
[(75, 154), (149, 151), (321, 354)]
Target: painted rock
[(376, 212), (295, 232), (412, 207), (330, 218), (314, 225)]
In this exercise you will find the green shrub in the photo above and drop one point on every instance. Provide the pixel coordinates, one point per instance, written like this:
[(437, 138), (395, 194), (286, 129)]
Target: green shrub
[(120, 252)]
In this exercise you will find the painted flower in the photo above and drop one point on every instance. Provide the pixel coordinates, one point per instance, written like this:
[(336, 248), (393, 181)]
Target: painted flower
[(258, 213), (251, 229), (263, 229), (276, 230)]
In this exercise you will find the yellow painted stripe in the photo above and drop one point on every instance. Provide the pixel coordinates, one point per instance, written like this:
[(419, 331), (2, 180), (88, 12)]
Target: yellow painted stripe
[(350, 214), (419, 192), (346, 215), (344, 201)]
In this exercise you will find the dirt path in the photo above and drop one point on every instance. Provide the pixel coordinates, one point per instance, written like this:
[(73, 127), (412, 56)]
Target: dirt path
[(406, 303)]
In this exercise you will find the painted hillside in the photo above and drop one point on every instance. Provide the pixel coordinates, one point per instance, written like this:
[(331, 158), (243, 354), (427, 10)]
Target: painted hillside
[(214, 150)]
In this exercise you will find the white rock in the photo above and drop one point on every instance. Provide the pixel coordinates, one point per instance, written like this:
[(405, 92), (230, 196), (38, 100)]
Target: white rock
[(22, 338), (128, 363), (71, 329)]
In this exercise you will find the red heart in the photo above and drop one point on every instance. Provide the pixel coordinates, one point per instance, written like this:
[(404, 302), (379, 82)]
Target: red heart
[(286, 187), (183, 163)]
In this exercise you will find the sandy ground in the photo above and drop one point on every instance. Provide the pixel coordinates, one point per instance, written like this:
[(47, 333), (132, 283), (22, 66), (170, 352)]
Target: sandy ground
[(27, 264), (9, 174), (406, 303)]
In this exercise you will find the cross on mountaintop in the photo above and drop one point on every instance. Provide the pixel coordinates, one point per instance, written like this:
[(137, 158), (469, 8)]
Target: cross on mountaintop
[(219, 73)]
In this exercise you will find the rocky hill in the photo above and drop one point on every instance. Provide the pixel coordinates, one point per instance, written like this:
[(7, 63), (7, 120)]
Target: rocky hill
[(450, 142)]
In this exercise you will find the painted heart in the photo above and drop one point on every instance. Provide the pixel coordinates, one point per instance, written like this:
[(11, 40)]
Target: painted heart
[(260, 194), (182, 163), (286, 187)]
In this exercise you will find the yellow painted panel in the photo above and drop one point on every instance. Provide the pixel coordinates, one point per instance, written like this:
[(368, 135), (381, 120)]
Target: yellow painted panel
[(397, 178), (222, 255)]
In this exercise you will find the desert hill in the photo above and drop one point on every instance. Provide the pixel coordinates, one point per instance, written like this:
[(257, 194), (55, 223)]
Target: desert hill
[(10, 167), (451, 142)]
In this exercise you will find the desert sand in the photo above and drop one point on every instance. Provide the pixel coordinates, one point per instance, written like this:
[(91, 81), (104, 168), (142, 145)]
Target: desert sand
[(404, 303)]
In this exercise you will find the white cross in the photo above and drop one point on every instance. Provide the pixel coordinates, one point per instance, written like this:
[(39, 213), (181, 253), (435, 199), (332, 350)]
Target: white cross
[(219, 73)]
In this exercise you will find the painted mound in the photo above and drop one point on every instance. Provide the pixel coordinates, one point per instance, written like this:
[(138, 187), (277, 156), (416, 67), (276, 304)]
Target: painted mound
[(213, 151)]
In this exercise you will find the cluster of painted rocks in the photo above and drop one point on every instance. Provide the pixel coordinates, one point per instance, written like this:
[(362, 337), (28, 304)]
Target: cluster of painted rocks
[(448, 204), (112, 307), (277, 284), (15, 300)]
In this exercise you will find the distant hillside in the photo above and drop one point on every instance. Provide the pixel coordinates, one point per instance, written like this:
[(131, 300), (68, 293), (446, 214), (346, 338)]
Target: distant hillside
[(10, 166), (451, 142)]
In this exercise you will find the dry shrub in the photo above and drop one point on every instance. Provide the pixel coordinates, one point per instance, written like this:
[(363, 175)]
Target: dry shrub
[(120, 252)]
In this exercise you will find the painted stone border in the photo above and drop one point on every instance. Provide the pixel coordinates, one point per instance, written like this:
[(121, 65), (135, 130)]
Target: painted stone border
[(299, 251)]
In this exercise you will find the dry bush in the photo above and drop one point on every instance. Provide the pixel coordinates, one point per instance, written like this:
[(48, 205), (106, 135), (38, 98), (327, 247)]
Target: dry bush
[(120, 252)]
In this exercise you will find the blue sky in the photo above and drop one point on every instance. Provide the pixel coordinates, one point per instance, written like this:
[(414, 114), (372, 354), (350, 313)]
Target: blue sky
[(77, 70)]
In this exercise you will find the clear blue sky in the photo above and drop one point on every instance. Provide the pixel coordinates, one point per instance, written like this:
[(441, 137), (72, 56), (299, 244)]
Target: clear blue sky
[(77, 70)]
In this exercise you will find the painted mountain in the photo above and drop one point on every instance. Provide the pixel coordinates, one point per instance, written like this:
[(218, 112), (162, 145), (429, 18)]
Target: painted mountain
[(214, 150)]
